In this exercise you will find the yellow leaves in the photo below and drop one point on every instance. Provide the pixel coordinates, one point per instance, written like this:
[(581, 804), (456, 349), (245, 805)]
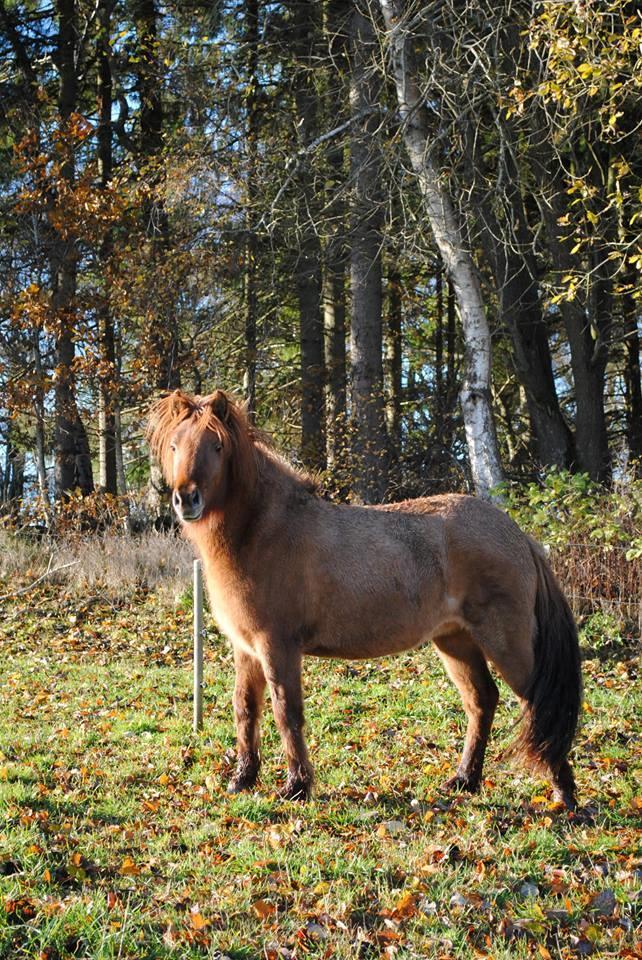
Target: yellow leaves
[(197, 920), (635, 260), (128, 868), (75, 868), (570, 292), (516, 101), (613, 119)]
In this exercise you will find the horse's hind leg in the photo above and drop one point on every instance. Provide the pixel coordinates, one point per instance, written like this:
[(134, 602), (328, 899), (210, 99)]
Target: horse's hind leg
[(467, 668), (514, 663), (249, 691)]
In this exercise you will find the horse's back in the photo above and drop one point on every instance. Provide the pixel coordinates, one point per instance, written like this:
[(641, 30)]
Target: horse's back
[(470, 524)]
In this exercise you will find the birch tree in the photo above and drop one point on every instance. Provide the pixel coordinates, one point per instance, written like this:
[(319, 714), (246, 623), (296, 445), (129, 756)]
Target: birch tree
[(476, 403)]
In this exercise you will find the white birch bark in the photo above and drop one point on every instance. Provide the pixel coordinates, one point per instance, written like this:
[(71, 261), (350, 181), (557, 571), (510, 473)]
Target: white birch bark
[(481, 435)]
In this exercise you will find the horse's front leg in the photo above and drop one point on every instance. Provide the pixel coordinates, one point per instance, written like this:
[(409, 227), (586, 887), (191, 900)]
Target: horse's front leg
[(249, 692), (283, 671)]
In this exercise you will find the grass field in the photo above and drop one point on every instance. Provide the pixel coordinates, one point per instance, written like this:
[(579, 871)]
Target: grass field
[(117, 838)]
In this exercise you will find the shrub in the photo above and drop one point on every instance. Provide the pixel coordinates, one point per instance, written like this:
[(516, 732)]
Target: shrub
[(595, 540)]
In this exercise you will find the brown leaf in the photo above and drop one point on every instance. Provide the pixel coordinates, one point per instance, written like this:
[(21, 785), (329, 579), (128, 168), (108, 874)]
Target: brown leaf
[(263, 909), (112, 900), (406, 906)]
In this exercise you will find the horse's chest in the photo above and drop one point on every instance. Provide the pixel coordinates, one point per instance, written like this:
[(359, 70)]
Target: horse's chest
[(233, 619)]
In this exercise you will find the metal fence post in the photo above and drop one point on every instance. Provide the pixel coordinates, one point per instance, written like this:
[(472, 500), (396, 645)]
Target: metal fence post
[(198, 646)]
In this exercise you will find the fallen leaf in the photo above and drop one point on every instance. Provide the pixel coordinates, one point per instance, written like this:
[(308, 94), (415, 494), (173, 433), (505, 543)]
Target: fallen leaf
[(603, 903), (263, 909), (391, 828), (198, 921)]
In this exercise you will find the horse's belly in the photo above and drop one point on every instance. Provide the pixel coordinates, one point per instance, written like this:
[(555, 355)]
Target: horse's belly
[(365, 647)]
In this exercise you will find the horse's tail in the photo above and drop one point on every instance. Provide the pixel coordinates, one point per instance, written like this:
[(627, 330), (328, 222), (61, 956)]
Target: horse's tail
[(554, 694)]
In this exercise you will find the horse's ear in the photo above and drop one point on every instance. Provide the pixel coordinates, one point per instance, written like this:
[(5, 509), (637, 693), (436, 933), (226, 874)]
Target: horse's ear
[(220, 405), (177, 401)]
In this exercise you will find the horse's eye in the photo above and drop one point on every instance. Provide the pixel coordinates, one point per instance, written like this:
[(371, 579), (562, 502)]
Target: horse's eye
[(218, 446), (172, 447)]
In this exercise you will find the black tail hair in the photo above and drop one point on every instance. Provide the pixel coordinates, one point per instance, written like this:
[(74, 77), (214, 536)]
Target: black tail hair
[(554, 694)]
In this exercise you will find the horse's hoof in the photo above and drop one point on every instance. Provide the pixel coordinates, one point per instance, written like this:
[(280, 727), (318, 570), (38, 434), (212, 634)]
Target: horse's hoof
[(459, 783), (565, 797), (296, 790), (239, 784)]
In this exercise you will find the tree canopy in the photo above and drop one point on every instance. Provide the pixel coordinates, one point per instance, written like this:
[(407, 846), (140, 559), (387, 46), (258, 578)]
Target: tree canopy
[(408, 234)]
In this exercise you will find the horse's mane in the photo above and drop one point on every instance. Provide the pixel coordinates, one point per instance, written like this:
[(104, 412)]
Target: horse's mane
[(247, 447), (219, 413)]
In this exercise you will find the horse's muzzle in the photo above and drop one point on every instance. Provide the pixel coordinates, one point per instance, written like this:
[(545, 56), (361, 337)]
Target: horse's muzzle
[(188, 504)]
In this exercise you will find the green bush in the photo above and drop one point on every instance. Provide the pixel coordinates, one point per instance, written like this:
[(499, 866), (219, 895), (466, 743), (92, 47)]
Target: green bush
[(594, 536), (567, 508)]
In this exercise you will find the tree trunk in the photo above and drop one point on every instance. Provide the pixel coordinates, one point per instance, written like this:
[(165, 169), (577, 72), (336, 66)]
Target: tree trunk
[(476, 404), (39, 412), (451, 350), (439, 341), (107, 386), (633, 387), (370, 460), (520, 309), (586, 330), (588, 358), (307, 27), (72, 459), (337, 15), (162, 333), (120, 463), (392, 362), (334, 321), (251, 40), (508, 243), (14, 475)]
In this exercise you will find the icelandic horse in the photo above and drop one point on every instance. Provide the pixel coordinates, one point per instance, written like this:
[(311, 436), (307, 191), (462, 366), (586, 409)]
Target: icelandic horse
[(290, 574)]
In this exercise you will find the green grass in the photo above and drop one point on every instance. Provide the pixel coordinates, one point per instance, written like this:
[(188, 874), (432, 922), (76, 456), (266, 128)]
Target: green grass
[(117, 838)]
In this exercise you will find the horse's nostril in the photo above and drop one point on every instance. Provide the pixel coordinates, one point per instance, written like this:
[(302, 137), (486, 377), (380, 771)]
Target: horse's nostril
[(196, 497), (176, 499)]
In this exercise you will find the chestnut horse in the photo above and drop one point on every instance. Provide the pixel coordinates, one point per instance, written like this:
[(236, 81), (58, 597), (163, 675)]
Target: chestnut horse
[(290, 574)]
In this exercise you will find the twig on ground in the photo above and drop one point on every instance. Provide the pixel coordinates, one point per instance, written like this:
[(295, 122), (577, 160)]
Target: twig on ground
[(48, 572)]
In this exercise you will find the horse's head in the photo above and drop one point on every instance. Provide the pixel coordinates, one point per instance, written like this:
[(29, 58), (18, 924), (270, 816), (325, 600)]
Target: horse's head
[(204, 445)]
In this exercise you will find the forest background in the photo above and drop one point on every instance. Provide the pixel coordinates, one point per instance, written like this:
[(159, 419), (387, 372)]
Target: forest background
[(407, 234)]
